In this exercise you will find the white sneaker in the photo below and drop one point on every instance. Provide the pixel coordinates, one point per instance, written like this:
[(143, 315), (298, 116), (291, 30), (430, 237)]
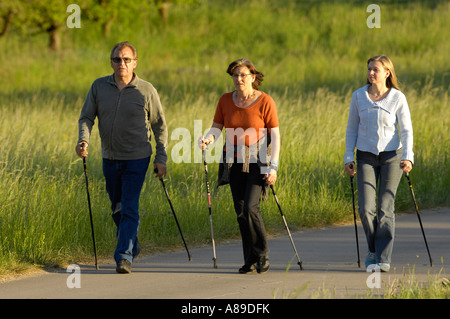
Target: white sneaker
[(384, 267)]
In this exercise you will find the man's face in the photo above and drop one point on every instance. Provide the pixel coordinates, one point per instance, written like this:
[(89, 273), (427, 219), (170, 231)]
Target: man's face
[(121, 68)]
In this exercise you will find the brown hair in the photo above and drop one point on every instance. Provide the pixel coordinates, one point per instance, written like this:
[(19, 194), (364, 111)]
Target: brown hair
[(249, 64), (119, 46), (391, 81)]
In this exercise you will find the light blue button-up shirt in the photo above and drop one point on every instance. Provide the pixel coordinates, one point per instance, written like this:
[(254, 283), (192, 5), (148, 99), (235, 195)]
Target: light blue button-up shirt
[(374, 126)]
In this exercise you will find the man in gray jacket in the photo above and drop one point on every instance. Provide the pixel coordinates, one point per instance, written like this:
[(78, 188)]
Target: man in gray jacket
[(128, 110)]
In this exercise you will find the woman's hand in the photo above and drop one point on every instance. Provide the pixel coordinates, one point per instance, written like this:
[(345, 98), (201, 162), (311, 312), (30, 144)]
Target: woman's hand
[(406, 166), (350, 168), (271, 178), (203, 142), (213, 133)]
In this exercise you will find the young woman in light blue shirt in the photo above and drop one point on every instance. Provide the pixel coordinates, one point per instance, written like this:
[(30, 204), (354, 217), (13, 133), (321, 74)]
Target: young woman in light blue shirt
[(379, 127)]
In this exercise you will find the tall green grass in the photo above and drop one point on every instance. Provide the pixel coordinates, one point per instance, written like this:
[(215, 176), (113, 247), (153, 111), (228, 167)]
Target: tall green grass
[(313, 56)]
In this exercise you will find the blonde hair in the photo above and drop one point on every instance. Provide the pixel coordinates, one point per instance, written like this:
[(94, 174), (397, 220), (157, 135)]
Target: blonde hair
[(391, 81)]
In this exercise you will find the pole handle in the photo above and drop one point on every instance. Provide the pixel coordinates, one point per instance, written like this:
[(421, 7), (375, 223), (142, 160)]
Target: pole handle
[(406, 173)]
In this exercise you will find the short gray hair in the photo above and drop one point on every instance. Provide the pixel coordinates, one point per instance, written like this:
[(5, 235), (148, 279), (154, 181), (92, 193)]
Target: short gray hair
[(119, 46)]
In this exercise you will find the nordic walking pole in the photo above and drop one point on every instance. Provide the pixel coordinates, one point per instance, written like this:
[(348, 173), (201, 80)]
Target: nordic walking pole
[(286, 226), (209, 206), (418, 215), (90, 211), (354, 216), (173, 212)]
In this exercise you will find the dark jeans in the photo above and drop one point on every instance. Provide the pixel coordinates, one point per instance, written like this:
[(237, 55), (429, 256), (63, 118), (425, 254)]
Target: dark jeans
[(246, 191), (124, 180), (377, 212)]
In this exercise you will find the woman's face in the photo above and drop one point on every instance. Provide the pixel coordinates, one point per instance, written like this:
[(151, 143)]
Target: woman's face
[(243, 78), (376, 73)]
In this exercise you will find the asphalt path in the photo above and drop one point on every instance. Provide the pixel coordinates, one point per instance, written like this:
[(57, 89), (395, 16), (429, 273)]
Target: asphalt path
[(329, 259)]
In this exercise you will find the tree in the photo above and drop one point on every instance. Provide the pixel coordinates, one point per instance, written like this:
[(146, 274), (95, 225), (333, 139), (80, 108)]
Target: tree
[(163, 6), (50, 16), (8, 8), (107, 12), (47, 16)]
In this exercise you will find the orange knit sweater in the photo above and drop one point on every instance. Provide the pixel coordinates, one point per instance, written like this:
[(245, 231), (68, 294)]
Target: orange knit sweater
[(246, 125)]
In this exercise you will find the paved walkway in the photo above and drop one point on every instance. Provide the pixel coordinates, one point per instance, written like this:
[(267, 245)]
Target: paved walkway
[(329, 259)]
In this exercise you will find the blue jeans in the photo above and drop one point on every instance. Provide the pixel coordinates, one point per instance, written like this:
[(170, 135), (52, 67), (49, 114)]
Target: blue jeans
[(377, 214), (124, 180)]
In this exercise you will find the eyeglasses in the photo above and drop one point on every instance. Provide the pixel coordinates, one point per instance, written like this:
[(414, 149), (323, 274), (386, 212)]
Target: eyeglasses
[(119, 60), (242, 75)]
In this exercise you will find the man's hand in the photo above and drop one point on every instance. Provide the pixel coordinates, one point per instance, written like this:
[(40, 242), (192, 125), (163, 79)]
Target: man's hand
[(160, 170), (81, 149)]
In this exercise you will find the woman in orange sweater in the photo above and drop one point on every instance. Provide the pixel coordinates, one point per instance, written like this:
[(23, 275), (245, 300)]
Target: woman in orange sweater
[(250, 160)]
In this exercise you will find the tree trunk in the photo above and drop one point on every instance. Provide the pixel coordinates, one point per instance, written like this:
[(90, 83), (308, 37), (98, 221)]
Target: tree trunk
[(7, 18), (55, 38), (164, 10), (106, 27)]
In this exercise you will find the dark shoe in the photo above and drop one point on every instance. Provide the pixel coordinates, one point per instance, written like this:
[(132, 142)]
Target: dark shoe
[(123, 267), (263, 265), (247, 269)]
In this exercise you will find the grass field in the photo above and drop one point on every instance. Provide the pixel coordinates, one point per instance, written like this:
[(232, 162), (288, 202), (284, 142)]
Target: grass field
[(313, 56)]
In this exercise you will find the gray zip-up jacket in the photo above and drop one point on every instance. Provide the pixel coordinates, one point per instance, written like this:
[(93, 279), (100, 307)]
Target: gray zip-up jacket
[(125, 119)]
